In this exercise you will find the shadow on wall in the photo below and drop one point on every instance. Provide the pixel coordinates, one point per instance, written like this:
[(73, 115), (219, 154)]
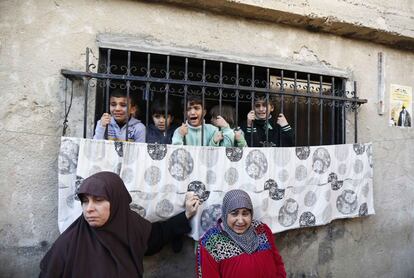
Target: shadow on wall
[(315, 245), (170, 264), (21, 262)]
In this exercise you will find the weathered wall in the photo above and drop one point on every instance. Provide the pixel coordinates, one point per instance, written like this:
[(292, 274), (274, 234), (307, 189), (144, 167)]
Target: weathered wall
[(387, 22), (39, 38)]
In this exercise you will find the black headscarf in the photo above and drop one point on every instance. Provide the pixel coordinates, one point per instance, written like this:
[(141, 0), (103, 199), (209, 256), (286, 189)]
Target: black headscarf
[(114, 250)]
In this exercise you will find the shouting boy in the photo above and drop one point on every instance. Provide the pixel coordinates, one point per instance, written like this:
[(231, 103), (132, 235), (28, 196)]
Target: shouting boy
[(279, 132), (189, 133), (116, 120)]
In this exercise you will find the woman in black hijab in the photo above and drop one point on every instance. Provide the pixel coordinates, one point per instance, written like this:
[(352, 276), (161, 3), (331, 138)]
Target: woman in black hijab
[(109, 239)]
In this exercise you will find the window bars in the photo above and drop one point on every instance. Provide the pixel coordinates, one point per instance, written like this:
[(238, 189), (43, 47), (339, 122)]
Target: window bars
[(316, 106)]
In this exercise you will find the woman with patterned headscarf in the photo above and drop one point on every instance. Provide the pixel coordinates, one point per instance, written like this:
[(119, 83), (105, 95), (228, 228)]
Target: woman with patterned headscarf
[(238, 246), (109, 239)]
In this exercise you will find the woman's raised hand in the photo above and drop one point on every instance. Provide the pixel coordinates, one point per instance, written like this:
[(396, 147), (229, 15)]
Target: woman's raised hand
[(191, 204)]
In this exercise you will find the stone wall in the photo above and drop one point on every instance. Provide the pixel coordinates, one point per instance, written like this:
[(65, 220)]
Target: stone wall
[(39, 38)]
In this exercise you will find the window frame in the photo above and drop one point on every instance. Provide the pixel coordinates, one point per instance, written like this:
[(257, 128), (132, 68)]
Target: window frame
[(348, 100)]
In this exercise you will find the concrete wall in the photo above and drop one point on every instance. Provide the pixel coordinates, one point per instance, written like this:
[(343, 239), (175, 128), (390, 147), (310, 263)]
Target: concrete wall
[(39, 38), (387, 22)]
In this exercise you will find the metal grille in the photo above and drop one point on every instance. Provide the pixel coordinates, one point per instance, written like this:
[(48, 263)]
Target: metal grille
[(316, 106)]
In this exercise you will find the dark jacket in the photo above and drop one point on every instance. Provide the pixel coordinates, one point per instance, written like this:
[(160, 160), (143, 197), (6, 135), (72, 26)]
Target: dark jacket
[(277, 136), (154, 135)]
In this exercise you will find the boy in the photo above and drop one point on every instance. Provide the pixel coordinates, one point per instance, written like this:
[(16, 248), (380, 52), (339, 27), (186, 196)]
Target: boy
[(280, 134), (189, 133), (161, 131), (117, 119)]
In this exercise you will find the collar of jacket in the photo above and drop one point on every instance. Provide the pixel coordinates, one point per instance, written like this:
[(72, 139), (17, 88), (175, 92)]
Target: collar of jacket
[(195, 127), (262, 123)]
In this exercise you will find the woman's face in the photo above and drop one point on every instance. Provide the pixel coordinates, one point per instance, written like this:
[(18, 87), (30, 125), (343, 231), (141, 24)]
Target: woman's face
[(239, 220), (96, 210)]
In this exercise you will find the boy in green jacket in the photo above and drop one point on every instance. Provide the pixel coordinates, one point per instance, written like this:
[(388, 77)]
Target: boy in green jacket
[(190, 133)]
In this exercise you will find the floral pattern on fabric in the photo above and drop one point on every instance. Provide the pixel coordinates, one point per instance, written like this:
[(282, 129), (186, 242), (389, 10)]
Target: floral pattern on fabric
[(221, 247)]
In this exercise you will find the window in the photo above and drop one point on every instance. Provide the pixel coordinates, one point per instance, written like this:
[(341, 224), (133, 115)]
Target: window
[(315, 105)]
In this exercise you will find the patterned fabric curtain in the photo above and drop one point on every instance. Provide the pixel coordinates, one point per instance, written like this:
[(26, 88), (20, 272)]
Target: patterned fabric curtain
[(290, 187)]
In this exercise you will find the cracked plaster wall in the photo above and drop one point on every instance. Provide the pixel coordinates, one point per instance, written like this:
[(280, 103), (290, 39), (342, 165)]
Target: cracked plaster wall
[(39, 38)]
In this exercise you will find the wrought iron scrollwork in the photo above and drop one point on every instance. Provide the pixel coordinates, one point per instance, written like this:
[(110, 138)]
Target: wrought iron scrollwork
[(150, 78), (91, 67), (92, 83)]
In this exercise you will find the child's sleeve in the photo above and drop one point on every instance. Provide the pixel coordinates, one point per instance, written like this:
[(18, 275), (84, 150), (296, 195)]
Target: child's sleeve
[(99, 131), (248, 134), (228, 137), (242, 142), (177, 139), (211, 142), (211, 132), (287, 136), (140, 133)]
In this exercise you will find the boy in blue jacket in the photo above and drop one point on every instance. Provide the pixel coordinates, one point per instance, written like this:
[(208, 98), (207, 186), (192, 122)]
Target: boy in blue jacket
[(116, 120)]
